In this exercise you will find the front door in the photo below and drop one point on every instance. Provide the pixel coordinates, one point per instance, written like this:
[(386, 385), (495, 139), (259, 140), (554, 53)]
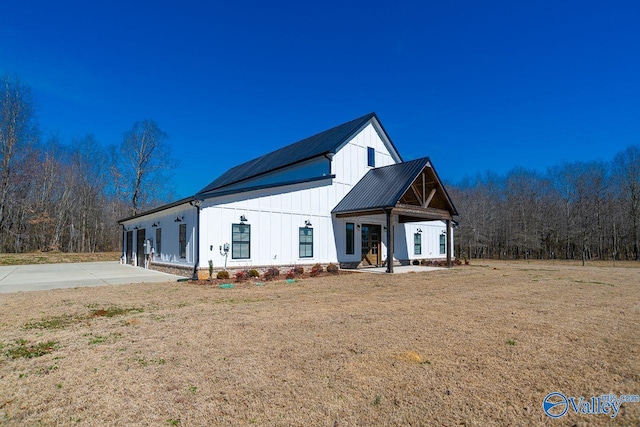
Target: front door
[(371, 245), (140, 248)]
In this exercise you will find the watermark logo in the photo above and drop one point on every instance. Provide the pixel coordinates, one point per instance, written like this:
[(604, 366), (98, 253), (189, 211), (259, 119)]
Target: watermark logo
[(556, 404)]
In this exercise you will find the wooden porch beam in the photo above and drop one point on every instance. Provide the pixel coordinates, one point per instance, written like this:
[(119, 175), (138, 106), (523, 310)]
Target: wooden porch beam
[(426, 203), (420, 212), (423, 202), (360, 213), (415, 193)]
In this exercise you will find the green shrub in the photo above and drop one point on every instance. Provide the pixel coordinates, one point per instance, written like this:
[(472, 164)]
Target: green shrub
[(254, 273), (222, 275), (415, 262)]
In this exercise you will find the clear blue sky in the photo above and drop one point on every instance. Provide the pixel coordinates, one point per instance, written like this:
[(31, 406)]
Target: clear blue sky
[(474, 85)]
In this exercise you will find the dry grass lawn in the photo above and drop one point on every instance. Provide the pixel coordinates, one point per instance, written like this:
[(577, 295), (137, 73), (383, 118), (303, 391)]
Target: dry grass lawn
[(55, 257), (479, 345)]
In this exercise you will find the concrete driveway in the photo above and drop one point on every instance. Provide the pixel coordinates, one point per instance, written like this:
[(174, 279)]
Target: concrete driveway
[(16, 278)]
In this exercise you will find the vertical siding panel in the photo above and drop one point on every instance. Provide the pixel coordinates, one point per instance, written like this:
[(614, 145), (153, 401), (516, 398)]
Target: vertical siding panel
[(286, 238), (354, 168), (323, 199), (305, 202), (286, 202), (276, 238), (263, 238), (276, 203), (296, 201)]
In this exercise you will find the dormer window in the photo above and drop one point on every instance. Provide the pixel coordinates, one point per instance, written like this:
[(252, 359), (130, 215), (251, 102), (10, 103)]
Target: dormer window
[(371, 157)]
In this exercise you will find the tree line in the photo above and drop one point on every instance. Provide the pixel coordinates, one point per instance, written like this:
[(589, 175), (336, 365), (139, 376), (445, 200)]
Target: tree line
[(68, 195), (579, 210)]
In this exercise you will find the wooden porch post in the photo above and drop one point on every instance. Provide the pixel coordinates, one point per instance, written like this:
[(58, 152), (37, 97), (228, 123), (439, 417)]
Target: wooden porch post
[(389, 242), (449, 243)]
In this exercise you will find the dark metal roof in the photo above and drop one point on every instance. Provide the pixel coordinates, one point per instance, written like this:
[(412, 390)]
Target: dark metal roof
[(159, 208), (224, 191), (323, 143), (382, 187)]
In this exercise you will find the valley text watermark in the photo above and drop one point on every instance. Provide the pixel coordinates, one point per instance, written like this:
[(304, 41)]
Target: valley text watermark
[(557, 405)]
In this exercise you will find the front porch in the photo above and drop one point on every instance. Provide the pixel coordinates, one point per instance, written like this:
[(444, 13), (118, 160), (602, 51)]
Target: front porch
[(402, 193)]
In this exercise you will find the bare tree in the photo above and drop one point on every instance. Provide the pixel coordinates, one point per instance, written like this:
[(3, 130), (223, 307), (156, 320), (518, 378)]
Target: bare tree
[(627, 174), (143, 165), (16, 131)]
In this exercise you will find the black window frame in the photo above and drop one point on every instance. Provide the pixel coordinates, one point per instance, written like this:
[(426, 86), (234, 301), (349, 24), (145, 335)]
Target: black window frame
[(182, 240), (305, 245), (371, 157), (443, 244), (239, 244), (350, 247), (417, 244), (158, 241)]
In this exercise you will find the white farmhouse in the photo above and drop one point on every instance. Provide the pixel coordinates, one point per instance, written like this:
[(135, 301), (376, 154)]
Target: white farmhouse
[(342, 196)]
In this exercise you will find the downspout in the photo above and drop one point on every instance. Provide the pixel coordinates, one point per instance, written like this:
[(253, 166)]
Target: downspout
[(196, 204)]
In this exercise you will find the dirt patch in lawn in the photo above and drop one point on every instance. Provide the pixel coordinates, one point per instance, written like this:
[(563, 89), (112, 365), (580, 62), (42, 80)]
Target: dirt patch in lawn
[(477, 345)]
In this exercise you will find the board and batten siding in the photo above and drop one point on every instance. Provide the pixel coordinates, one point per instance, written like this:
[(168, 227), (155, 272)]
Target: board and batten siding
[(349, 163), (275, 220), (166, 220)]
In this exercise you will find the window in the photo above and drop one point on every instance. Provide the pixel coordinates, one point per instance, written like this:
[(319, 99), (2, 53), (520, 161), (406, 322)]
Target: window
[(443, 243), (350, 239), (183, 240), (417, 244), (240, 241), (371, 157), (306, 242), (158, 241)]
